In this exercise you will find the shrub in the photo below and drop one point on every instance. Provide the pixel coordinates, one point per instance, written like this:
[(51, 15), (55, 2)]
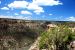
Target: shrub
[(59, 38)]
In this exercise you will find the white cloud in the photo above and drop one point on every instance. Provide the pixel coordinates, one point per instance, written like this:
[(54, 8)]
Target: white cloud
[(50, 14), (5, 8), (32, 6), (16, 17), (0, 2), (22, 17), (37, 9), (26, 12), (35, 5), (25, 4), (47, 2), (18, 4), (16, 14), (72, 18), (27, 18), (1, 16)]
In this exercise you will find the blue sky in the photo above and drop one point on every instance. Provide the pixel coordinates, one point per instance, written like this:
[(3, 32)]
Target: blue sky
[(55, 10)]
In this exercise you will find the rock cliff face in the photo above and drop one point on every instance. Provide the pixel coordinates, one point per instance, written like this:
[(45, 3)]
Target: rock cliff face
[(27, 28), (18, 34)]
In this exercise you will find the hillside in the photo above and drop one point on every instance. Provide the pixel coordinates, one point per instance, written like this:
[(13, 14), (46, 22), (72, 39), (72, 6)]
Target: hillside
[(18, 34)]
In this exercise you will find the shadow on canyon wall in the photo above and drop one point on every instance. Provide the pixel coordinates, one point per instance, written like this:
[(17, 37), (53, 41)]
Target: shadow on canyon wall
[(18, 34)]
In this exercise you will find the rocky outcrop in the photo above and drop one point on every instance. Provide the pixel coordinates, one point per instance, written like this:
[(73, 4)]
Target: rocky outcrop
[(18, 34), (35, 45), (27, 28)]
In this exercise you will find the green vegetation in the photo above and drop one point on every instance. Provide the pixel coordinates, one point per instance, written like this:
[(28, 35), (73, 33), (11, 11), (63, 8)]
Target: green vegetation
[(26, 32), (56, 38)]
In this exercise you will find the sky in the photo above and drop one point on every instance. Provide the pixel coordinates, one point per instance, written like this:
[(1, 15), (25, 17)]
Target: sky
[(53, 10)]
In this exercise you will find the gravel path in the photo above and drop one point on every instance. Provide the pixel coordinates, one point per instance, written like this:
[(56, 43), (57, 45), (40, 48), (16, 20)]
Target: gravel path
[(35, 45)]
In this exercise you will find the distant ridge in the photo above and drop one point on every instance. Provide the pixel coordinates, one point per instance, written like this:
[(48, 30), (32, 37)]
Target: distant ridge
[(52, 21)]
